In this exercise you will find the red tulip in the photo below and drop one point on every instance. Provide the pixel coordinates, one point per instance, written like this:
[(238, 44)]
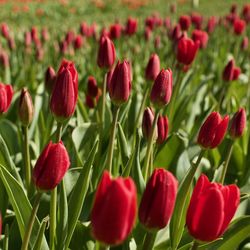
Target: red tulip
[(106, 53), (185, 22), (90, 101), (162, 89), (157, 42), (4, 59), (236, 73), (201, 36), (238, 123), (92, 88), (51, 166), (197, 20), (239, 26), (114, 210), (162, 127), (213, 130), (212, 22), (34, 33), (5, 30), (175, 33), (65, 91), (50, 77), (120, 84), (147, 33), (115, 31), (153, 67), (158, 200), (84, 29), (6, 94), (27, 39), (70, 37), (246, 12), (186, 50), (147, 123), (211, 209), (131, 26), (45, 34), (245, 43), (25, 108), (228, 72), (78, 42)]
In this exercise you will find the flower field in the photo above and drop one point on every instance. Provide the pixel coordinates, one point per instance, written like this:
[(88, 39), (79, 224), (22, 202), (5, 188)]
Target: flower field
[(124, 125)]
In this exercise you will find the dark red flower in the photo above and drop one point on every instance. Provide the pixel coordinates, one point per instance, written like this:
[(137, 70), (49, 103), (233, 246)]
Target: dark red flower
[(153, 67), (238, 123), (162, 127), (6, 94), (185, 22), (201, 36)]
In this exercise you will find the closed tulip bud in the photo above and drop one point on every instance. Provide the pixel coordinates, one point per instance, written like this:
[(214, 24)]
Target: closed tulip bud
[(50, 77), (158, 200), (175, 33), (51, 166), (6, 94), (228, 72), (115, 31), (63, 45), (78, 42), (185, 22), (153, 67), (162, 127), (201, 37), (106, 53), (147, 33), (131, 26), (120, 84), (92, 88), (65, 92), (34, 34), (186, 50), (157, 42), (162, 88), (5, 30), (212, 207), (245, 43), (213, 130), (70, 37), (147, 123), (114, 210), (27, 39), (84, 28), (239, 26), (212, 22), (236, 73), (4, 59), (238, 123), (26, 108), (197, 20)]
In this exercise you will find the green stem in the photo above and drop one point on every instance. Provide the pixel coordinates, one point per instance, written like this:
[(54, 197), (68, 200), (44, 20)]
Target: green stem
[(176, 90), (27, 234), (103, 100), (83, 111), (195, 245), (221, 98), (225, 166), (53, 199), (6, 238), (149, 146), (149, 241), (27, 158), (142, 107), (112, 139)]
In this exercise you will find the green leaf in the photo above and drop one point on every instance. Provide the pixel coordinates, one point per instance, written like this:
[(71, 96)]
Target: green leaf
[(78, 194), (21, 206), (39, 239)]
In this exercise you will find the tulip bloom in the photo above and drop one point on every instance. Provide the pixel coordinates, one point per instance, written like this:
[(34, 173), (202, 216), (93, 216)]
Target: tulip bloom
[(114, 210), (158, 200), (25, 108), (92, 88), (131, 26), (228, 72), (162, 127), (51, 166), (186, 50), (162, 89), (238, 123), (212, 207), (147, 123), (106, 53), (65, 92), (120, 84), (236, 73), (201, 36), (6, 94), (5, 30), (78, 42), (185, 22), (153, 67), (115, 31), (239, 26), (213, 130)]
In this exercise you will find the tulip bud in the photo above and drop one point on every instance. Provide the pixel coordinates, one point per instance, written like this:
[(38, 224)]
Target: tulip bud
[(131, 26), (92, 87), (212, 207), (6, 94), (236, 73), (115, 31), (197, 20), (245, 43), (162, 89), (212, 22), (45, 34), (186, 50), (120, 84), (27, 39), (90, 101), (158, 200), (147, 123), (147, 33), (162, 127), (4, 59), (228, 72), (5, 30), (175, 33), (185, 22), (34, 34), (114, 210), (50, 77), (239, 26), (201, 37), (238, 124), (157, 42), (106, 53), (153, 67), (70, 37), (26, 108), (109, 77), (51, 166), (213, 130), (78, 42), (65, 92)]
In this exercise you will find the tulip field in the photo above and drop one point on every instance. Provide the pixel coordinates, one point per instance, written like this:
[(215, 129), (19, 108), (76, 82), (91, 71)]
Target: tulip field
[(124, 125)]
